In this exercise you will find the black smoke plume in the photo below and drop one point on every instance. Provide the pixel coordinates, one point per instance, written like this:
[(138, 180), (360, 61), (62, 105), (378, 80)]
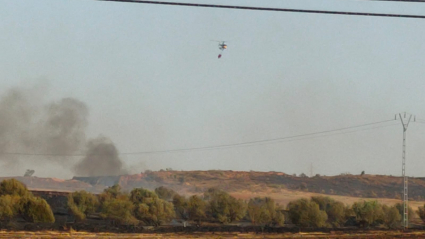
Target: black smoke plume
[(101, 159), (57, 130)]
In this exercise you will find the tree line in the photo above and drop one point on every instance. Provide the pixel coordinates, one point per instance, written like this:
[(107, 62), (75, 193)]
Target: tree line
[(145, 207), (162, 205)]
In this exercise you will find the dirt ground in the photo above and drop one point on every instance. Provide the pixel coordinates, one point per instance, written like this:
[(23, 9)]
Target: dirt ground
[(78, 235)]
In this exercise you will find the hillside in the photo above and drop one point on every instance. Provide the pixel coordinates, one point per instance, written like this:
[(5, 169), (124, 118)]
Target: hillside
[(281, 186), (191, 182)]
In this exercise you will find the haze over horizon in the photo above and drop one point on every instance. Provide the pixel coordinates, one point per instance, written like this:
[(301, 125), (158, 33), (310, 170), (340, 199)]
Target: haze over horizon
[(147, 78)]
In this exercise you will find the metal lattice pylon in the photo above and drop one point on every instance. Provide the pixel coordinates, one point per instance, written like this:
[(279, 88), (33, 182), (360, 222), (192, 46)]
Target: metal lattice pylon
[(405, 183)]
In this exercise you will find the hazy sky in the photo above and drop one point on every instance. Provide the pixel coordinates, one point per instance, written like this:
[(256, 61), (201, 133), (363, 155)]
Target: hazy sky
[(151, 80)]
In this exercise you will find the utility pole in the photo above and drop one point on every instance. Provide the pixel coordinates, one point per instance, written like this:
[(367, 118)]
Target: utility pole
[(405, 124)]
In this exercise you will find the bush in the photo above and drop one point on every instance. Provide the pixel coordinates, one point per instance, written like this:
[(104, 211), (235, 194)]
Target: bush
[(141, 195), (368, 212), (119, 210), (15, 199), (149, 208), (82, 203), (421, 212), (155, 212), (336, 214), (7, 207), (411, 214), (334, 209), (305, 213), (34, 209), (165, 193), (180, 206), (392, 217), (13, 187), (116, 206), (223, 207), (196, 208), (264, 211), (114, 191)]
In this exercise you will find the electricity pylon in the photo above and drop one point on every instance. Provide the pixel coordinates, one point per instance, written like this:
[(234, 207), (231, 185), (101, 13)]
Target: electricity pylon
[(405, 124)]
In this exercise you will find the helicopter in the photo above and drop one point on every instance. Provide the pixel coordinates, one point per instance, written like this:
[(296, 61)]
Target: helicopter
[(221, 46)]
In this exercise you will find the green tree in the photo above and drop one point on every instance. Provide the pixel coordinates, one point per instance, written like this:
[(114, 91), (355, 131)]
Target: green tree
[(392, 217), (421, 212), (223, 207), (336, 214), (306, 213), (7, 207), (81, 203), (334, 209), (111, 193), (149, 208), (34, 209), (155, 212), (141, 195), (368, 212), (264, 211), (257, 211), (117, 206), (196, 209), (410, 212), (13, 187), (165, 193), (119, 210), (180, 206), (15, 199)]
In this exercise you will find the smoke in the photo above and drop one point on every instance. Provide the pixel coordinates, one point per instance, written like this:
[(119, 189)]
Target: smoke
[(31, 125), (17, 116), (101, 159), (28, 125)]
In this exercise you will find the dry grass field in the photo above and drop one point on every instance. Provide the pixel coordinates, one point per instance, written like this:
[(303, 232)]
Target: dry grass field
[(284, 196), (81, 235)]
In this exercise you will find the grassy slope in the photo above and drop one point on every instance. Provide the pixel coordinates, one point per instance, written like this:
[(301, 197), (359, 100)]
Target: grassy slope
[(284, 188), (280, 186)]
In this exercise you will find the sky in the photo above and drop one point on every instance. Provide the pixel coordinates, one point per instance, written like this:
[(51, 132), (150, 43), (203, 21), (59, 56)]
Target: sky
[(151, 80)]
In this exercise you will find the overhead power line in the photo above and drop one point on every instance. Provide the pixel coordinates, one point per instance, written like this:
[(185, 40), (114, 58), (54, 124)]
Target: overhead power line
[(268, 9), (410, 1), (248, 143)]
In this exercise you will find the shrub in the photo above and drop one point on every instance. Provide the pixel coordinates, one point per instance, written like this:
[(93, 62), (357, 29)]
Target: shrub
[(264, 211), (180, 206), (368, 212), (334, 209), (306, 213), (7, 207), (111, 193), (82, 203), (34, 209), (411, 214), (13, 187), (165, 193), (155, 212), (392, 216), (421, 212), (119, 210), (141, 195), (196, 208), (149, 208), (223, 207)]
